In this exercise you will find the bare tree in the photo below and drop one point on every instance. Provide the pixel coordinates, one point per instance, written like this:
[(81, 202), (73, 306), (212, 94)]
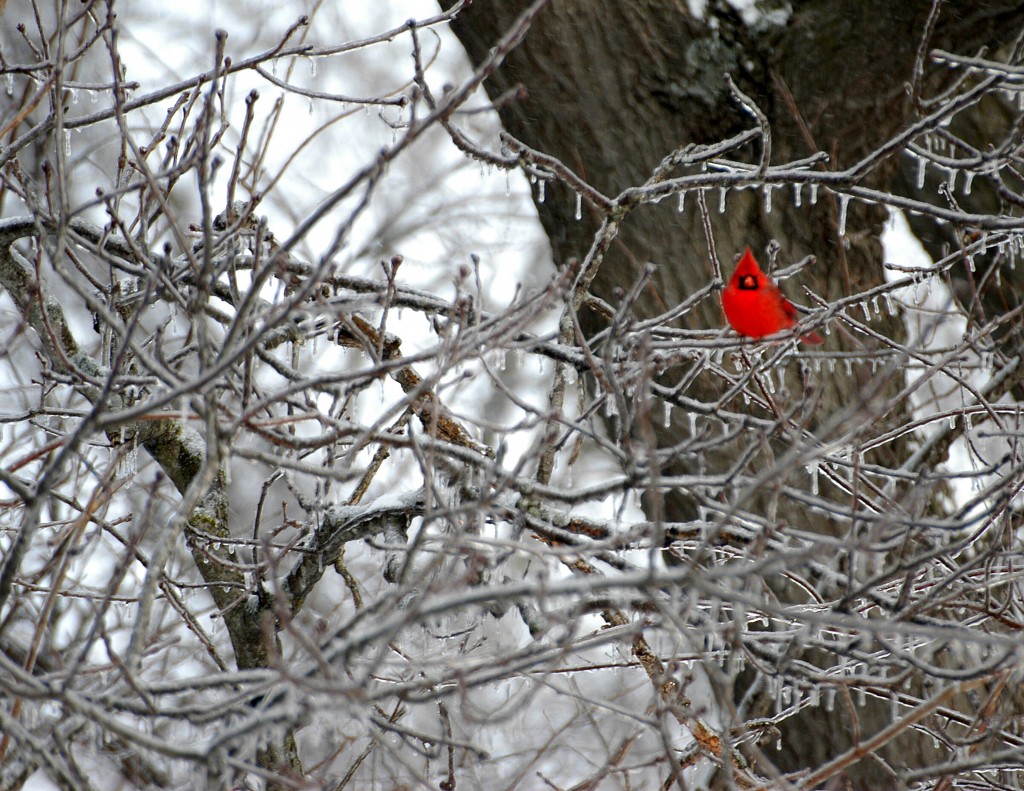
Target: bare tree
[(867, 106), (302, 491)]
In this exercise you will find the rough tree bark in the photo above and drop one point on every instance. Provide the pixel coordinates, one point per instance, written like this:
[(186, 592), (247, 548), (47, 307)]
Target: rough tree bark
[(611, 88)]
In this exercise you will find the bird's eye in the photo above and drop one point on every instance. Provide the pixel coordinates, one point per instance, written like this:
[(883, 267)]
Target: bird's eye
[(748, 283)]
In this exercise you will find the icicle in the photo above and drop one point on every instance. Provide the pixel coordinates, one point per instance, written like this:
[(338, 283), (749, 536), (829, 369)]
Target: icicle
[(722, 192), (968, 181), (67, 142), (128, 465), (968, 421), (312, 68), (867, 310), (681, 207), (889, 304), (844, 202), (693, 422), (849, 366), (814, 194), (812, 470), (921, 164), (666, 420), (9, 83), (768, 198), (952, 422), (874, 306), (951, 180), (579, 207), (540, 190), (798, 194)]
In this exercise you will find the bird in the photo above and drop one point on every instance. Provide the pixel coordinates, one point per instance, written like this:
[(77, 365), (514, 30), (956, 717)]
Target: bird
[(754, 306)]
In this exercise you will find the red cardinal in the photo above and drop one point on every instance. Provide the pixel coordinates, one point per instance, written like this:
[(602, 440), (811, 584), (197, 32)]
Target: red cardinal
[(754, 305)]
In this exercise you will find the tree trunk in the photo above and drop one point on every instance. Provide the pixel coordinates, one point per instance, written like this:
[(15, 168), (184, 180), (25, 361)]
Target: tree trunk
[(611, 88)]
